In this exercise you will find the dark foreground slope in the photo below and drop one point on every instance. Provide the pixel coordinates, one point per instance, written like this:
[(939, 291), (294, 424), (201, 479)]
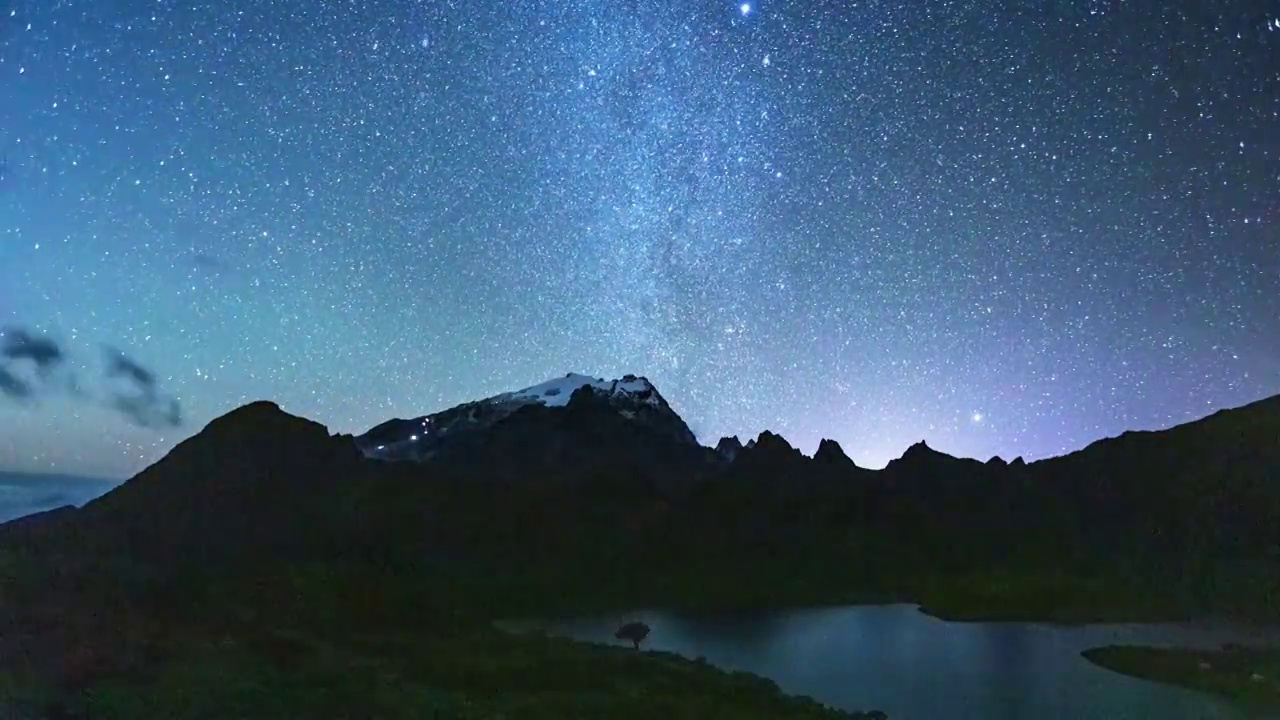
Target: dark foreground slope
[(266, 531), (1195, 508)]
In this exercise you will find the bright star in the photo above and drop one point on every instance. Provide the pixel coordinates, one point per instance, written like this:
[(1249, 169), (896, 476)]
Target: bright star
[(745, 8), (976, 417)]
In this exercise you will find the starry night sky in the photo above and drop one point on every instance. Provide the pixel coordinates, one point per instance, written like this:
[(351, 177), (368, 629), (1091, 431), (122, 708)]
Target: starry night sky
[(1003, 227)]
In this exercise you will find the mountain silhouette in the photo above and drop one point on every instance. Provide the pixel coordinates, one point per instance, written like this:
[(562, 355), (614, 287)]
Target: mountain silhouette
[(581, 484)]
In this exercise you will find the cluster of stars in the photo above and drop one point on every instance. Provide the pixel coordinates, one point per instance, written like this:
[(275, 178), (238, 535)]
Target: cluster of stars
[(1005, 232)]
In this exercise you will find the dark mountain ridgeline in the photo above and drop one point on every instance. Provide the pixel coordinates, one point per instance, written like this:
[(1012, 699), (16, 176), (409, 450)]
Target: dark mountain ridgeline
[(830, 453), (728, 448), (583, 497)]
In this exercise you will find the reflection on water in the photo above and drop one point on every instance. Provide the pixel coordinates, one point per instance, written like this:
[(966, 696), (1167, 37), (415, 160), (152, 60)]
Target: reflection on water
[(915, 667)]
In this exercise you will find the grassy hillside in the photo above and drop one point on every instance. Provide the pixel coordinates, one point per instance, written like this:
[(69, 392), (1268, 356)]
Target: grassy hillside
[(327, 642)]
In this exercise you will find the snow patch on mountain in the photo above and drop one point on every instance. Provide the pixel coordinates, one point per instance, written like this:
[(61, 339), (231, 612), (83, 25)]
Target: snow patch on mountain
[(557, 391)]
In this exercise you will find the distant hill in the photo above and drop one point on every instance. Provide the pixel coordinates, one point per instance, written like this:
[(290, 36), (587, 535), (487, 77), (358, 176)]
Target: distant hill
[(26, 493)]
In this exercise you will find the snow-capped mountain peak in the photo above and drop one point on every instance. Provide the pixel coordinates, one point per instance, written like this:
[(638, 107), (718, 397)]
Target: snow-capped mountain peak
[(557, 391), (632, 397)]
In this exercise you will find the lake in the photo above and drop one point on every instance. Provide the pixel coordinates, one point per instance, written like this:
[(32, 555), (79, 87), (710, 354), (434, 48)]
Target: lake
[(912, 666)]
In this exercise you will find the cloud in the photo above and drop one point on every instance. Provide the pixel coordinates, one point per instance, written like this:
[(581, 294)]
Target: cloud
[(33, 365), (14, 387), (20, 344), (27, 363), (149, 411), (22, 494), (121, 365), (137, 395)]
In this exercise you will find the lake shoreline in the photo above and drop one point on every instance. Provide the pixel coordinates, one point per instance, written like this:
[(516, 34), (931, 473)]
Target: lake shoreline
[(462, 625), (884, 650), (458, 675), (1246, 675)]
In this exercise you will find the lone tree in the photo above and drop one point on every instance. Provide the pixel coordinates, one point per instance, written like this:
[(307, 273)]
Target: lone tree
[(636, 632)]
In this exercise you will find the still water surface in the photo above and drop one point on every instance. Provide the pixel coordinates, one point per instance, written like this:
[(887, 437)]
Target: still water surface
[(915, 667)]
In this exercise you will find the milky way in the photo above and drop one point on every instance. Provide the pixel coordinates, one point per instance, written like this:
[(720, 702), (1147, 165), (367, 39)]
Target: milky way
[(1006, 228)]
